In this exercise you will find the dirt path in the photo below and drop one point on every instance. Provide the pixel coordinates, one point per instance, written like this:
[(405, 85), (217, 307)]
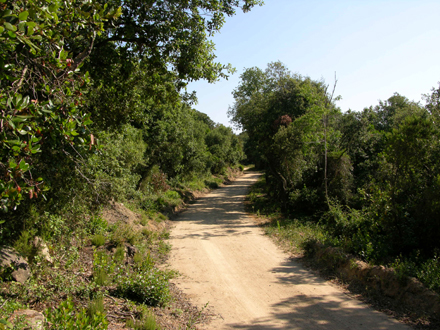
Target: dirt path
[(226, 261)]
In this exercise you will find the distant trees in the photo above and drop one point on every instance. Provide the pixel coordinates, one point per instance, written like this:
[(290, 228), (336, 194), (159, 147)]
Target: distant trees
[(382, 170)]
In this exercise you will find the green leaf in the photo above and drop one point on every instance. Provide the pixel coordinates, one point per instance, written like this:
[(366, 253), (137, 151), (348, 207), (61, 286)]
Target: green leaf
[(12, 164), (53, 8), (2, 29), (20, 119), (23, 165), (11, 34), (31, 24), (25, 101), (21, 26), (30, 31), (9, 26), (23, 15), (17, 142)]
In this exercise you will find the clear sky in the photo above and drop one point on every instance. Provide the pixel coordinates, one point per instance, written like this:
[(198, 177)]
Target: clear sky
[(375, 47)]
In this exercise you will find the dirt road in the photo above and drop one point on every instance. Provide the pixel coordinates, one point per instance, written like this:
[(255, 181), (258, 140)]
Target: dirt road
[(226, 261)]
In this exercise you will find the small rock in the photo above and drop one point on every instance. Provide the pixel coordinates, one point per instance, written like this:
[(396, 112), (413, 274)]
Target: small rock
[(42, 249), (10, 259), (35, 320)]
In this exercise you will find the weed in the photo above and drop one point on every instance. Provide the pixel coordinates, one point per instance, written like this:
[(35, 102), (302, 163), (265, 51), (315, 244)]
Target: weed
[(103, 266), (24, 245), (96, 306), (163, 248), (97, 225), (146, 322), (192, 320), (119, 254), (144, 220), (9, 306), (124, 233), (145, 287), (161, 217), (98, 240), (143, 262), (65, 317)]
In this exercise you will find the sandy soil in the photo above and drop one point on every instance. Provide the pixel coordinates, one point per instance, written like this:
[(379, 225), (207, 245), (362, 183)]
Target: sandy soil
[(248, 283)]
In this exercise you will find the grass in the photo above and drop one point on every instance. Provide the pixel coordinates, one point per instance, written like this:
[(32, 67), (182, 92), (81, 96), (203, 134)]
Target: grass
[(98, 240)]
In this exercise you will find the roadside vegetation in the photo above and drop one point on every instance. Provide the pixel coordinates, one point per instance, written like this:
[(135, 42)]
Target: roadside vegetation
[(95, 123), (366, 182)]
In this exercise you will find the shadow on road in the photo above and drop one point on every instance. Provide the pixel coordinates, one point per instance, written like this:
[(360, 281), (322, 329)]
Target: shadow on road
[(223, 208)]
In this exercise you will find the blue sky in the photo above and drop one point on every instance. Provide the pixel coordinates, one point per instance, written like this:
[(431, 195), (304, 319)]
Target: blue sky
[(376, 48)]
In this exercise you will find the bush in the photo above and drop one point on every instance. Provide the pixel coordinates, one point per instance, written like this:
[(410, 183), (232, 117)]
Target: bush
[(122, 233), (65, 317), (146, 287), (429, 273), (170, 198)]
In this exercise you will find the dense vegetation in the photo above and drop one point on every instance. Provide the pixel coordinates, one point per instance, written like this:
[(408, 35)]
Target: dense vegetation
[(94, 109), (94, 105), (368, 179)]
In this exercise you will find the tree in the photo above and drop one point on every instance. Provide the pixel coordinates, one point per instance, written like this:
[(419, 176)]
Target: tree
[(41, 88)]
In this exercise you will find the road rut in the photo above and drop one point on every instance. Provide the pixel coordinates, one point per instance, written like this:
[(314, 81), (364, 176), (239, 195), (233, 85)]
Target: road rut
[(227, 262)]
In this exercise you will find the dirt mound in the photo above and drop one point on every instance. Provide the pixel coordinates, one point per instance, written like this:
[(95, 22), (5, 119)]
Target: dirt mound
[(119, 213)]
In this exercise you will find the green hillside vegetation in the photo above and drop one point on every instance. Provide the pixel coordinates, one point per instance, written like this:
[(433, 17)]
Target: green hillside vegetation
[(365, 181), (95, 112)]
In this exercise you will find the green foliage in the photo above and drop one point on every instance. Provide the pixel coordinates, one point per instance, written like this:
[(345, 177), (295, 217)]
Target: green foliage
[(147, 321), (103, 267), (169, 198), (119, 254), (9, 306), (96, 307), (98, 240), (41, 88), (67, 317), (429, 273), (148, 287), (122, 233), (369, 180), (24, 244)]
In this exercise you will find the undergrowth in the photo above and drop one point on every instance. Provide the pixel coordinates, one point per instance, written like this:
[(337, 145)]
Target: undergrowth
[(93, 260), (299, 234)]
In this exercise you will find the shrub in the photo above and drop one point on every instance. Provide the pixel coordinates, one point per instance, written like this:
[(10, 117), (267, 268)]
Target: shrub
[(429, 273), (170, 198), (122, 233), (65, 317), (146, 287), (143, 262)]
